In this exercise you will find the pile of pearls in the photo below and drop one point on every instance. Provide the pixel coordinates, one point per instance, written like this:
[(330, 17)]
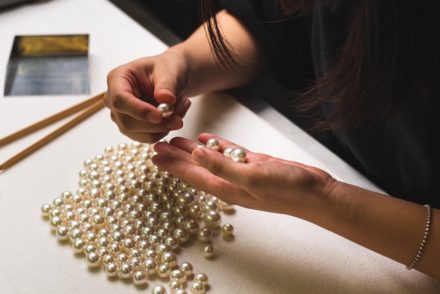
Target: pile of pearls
[(129, 219)]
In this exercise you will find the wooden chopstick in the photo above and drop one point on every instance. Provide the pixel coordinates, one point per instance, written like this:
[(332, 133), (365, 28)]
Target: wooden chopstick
[(50, 120), (53, 135)]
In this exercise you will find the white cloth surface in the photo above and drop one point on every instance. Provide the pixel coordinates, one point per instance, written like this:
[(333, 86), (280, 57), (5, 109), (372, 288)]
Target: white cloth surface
[(270, 254)]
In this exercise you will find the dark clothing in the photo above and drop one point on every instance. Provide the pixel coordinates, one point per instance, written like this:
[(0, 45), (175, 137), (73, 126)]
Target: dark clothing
[(402, 155)]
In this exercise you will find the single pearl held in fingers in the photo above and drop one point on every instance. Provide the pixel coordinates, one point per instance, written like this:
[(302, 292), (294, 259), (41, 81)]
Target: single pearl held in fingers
[(166, 109), (227, 152)]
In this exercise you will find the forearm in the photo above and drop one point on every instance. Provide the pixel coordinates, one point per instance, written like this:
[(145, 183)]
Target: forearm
[(387, 225), (206, 72)]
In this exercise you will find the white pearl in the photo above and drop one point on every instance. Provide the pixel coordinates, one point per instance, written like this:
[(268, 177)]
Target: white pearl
[(163, 270), (62, 233), (177, 275), (187, 268), (150, 266), (202, 278), (111, 269), (227, 152), (140, 278), (125, 271), (204, 235), (93, 260), (45, 210), (238, 155), (213, 144), (159, 290), (197, 288), (78, 246), (165, 109), (208, 251)]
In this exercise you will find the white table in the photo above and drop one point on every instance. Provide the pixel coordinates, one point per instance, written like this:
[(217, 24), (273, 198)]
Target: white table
[(271, 253)]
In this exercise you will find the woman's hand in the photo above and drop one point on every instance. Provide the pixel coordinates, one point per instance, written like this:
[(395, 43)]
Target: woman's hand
[(263, 182), (136, 88)]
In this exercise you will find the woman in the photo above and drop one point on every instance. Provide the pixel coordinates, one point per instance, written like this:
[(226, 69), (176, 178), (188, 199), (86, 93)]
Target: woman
[(374, 87)]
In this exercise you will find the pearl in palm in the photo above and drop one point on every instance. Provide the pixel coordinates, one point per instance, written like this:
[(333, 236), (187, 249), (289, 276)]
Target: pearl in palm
[(213, 144)]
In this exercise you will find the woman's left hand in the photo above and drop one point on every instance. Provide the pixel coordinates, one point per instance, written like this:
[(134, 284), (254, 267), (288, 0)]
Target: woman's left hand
[(263, 182)]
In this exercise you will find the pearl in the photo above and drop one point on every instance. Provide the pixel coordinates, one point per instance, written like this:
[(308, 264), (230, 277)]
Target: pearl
[(212, 218), (89, 248), (93, 260), (169, 258), (197, 288), (150, 266), (159, 290), (178, 276), (58, 202), (125, 271), (208, 251), (165, 109), (163, 270), (78, 246), (227, 152), (45, 210), (140, 278), (55, 222), (227, 230), (204, 235), (63, 233), (202, 278), (213, 144), (111, 269), (238, 155), (106, 259), (175, 285), (187, 268)]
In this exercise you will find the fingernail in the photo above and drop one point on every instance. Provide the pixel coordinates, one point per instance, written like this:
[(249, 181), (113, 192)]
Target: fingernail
[(187, 103), (154, 117)]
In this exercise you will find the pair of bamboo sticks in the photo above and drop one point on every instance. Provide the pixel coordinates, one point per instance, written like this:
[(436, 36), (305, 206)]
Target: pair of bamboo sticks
[(86, 109)]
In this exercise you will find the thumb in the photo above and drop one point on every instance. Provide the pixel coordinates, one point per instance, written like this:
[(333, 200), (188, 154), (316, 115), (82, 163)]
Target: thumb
[(220, 165), (165, 90)]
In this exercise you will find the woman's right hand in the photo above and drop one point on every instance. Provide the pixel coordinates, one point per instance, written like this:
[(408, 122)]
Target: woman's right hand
[(136, 88)]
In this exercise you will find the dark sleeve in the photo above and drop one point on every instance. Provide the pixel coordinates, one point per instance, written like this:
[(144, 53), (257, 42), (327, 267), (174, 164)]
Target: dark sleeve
[(284, 40)]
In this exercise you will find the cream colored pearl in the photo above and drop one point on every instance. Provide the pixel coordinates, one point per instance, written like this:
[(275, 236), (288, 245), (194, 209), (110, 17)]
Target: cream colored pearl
[(55, 222), (165, 109), (197, 288), (238, 155), (213, 144), (204, 235), (212, 218), (227, 230), (159, 290), (93, 260), (140, 278), (187, 268), (169, 258), (177, 275), (78, 246), (111, 269), (45, 209), (163, 270), (208, 251), (202, 278), (63, 233), (150, 266), (175, 285), (227, 152), (125, 271)]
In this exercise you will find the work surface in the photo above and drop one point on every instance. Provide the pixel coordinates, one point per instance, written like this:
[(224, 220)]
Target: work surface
[(270, 254)]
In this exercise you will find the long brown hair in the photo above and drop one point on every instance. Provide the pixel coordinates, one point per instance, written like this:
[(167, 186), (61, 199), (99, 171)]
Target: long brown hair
[(391, 51)]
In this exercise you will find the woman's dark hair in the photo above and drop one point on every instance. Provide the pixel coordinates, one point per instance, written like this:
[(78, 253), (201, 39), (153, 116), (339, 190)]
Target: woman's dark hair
[(391, 51)]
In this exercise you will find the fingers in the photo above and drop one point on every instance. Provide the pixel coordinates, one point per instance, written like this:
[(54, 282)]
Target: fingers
[(128, 124), (179, 163)]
